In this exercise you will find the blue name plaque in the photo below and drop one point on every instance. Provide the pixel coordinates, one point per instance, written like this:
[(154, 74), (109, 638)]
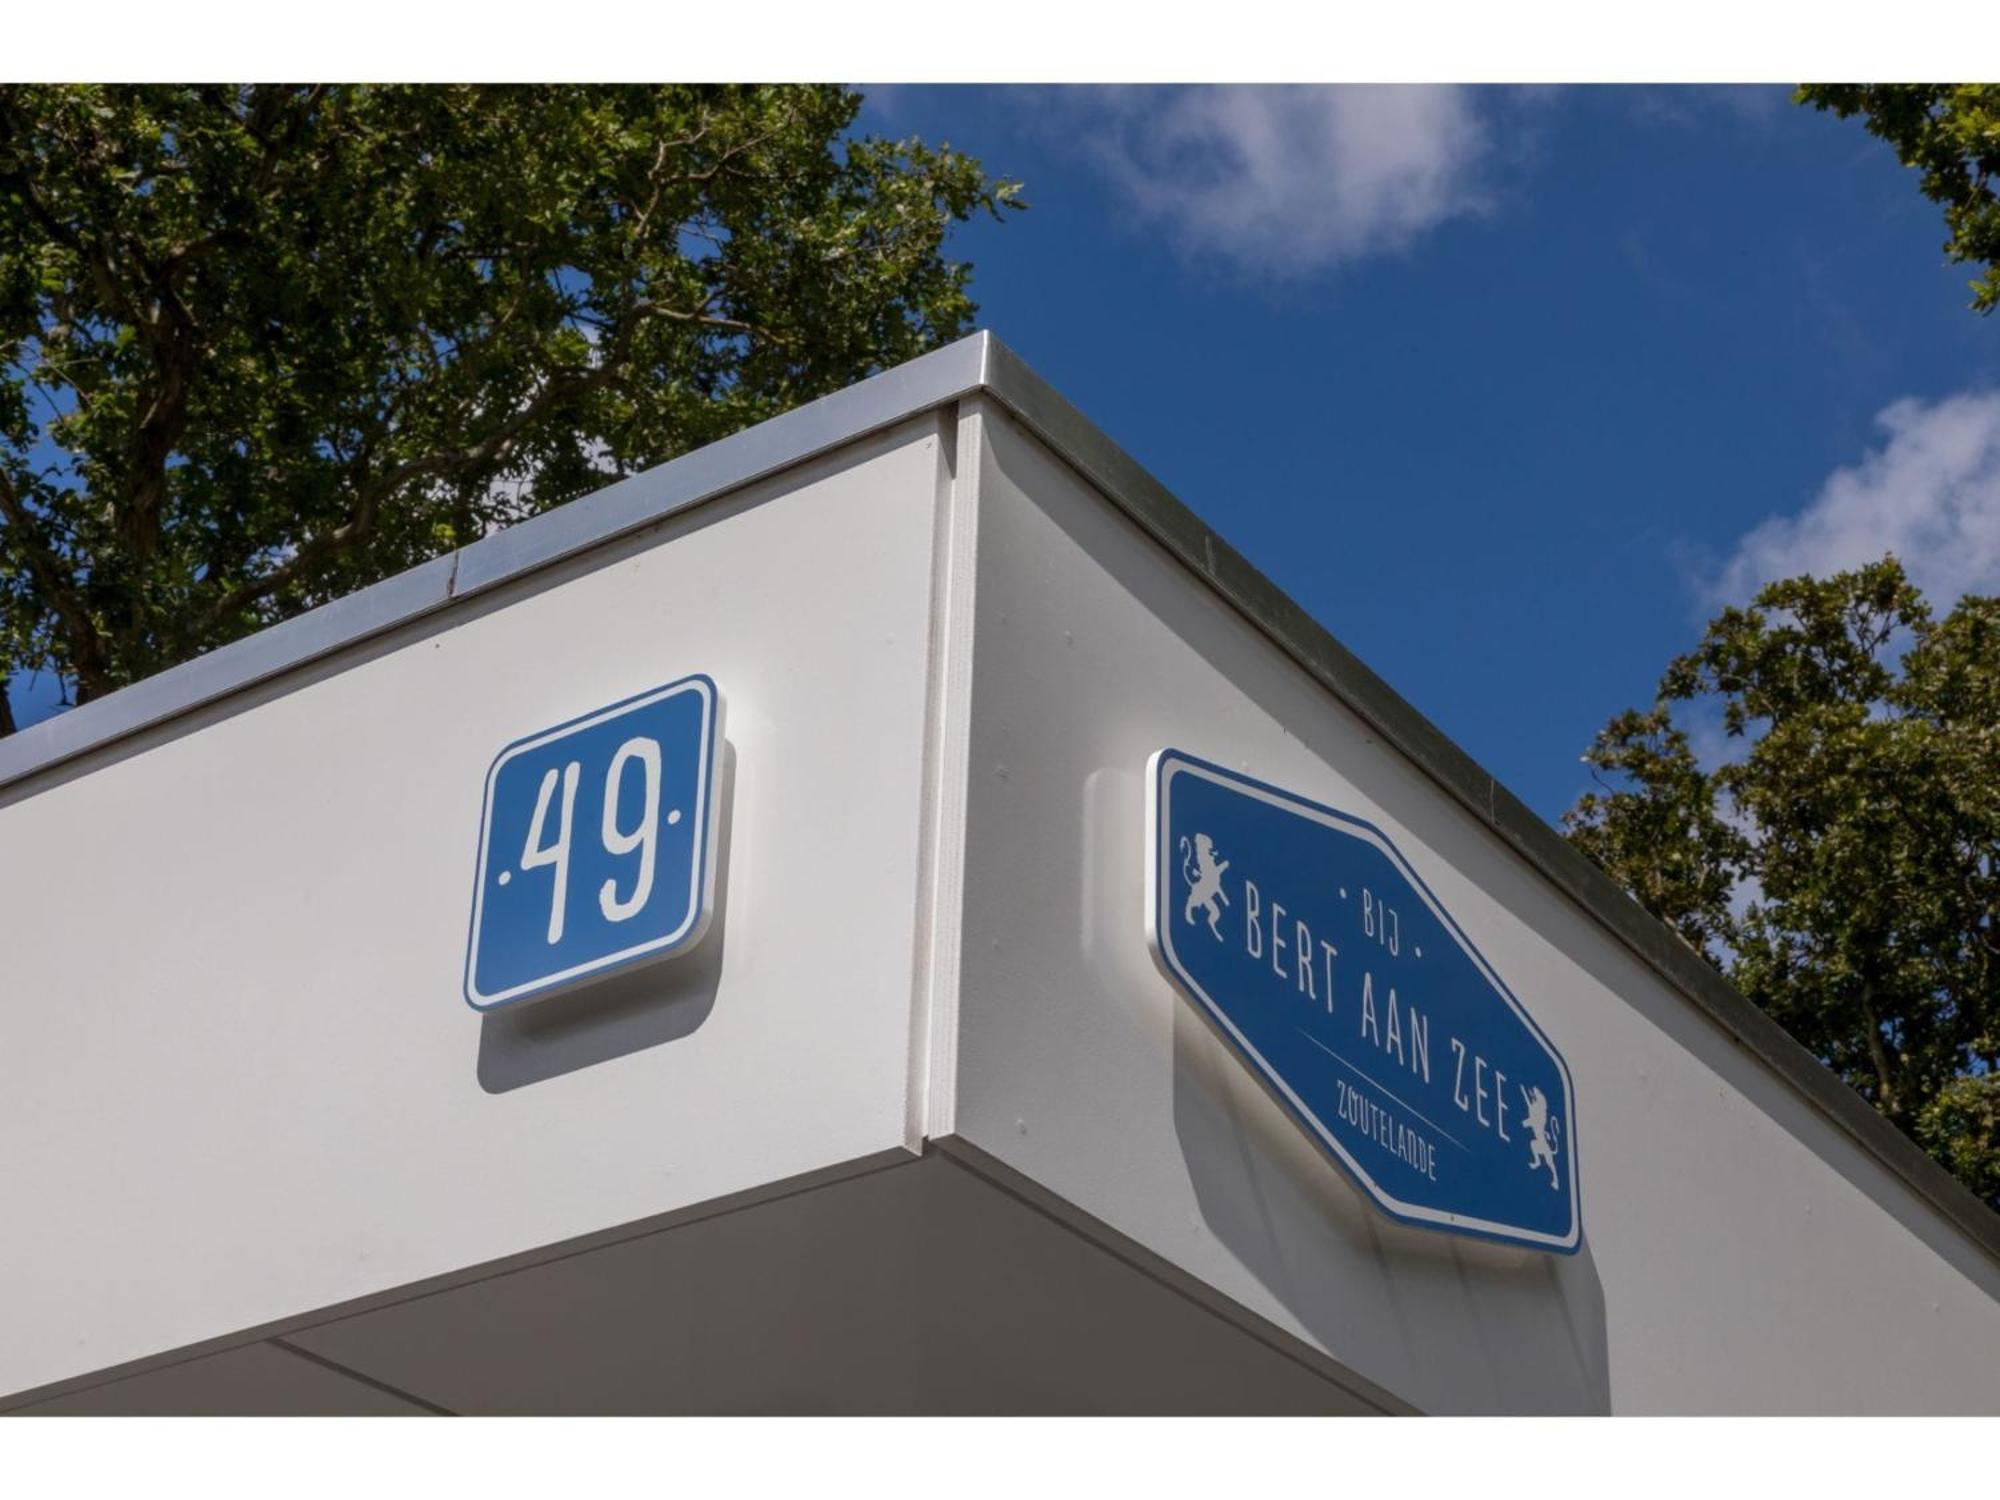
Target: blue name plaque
[(1329, 966), (596, 846)]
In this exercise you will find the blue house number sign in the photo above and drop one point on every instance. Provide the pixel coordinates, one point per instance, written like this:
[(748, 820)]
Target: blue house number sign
[(1326, 962), (596, 846)]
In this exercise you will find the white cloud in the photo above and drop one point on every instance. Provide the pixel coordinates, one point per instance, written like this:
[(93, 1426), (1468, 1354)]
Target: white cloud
[(1692, 104), (1930, 494), (1289, 180)]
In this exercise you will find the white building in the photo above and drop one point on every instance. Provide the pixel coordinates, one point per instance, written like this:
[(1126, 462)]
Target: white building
[(918, 1124)]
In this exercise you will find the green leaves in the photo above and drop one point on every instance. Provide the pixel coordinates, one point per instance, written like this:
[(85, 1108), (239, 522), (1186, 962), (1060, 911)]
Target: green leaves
[(260, 346), (1843, 864), (1662, 834), (1951, 134), (1961, 1128)]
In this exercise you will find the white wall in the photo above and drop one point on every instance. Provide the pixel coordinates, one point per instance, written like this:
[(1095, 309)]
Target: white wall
[(1741, 1254), (237, 1078)]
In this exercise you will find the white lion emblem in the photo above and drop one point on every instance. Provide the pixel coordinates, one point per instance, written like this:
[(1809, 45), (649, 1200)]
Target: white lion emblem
[(1203, 873), (1544, 1131)]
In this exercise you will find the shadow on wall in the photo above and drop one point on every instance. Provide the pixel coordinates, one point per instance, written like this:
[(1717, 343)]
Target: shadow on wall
[(648, 1007), (1454, 1325), (1449, 1323), (1475, 1327)]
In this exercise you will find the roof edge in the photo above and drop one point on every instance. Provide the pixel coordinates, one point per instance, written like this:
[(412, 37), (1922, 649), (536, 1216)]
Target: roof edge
[(728, 464)]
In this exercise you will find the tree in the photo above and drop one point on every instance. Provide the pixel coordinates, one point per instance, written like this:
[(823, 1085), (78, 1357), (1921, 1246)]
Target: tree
[(260, 346), (1843, 866), (1950, 132)]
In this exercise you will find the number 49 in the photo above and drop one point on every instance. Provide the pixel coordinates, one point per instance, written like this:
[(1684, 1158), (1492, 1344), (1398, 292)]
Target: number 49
[(535, 854)]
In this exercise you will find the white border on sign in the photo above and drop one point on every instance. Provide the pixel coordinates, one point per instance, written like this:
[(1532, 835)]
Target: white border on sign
[(701, 891), (1160, 767)]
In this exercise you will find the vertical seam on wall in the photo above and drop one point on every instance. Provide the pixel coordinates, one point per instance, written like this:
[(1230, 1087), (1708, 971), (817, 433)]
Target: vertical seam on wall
[(934, 986), (948, 762)]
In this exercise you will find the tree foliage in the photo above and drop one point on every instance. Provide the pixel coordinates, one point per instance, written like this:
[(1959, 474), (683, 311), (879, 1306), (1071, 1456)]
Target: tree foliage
[(1843, 864), (1949, 132), (260, 346)]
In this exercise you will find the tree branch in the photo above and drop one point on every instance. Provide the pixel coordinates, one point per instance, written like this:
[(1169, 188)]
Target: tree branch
[(707, 320), (1890, 1099), (86, 643), (172, 348), (494, 448), (109, 284)]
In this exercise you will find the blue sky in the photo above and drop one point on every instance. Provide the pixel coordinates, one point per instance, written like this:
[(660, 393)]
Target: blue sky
[(1500, 385), (1507, 387)]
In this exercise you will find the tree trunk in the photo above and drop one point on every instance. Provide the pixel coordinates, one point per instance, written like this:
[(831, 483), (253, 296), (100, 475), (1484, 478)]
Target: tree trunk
[(1889, 1100)]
